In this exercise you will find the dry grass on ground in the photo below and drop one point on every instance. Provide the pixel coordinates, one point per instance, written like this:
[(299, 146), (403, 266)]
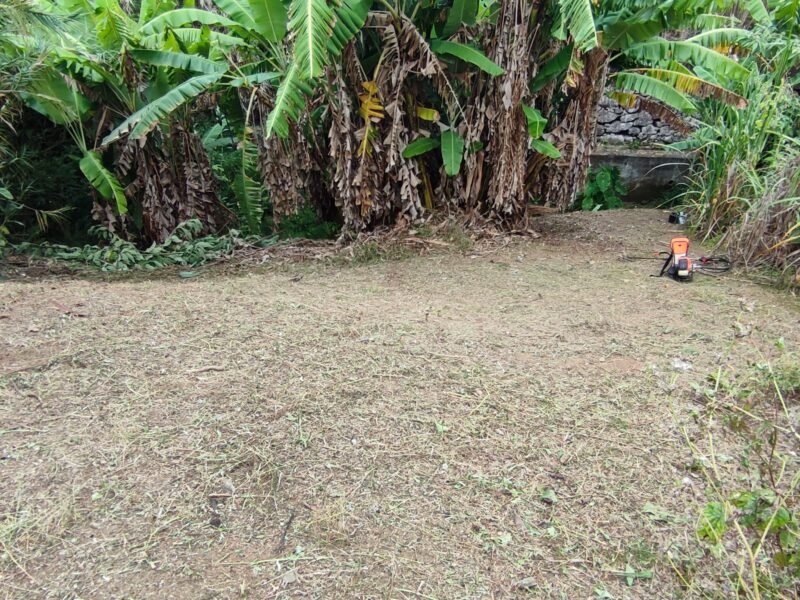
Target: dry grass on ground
[(498, 423)]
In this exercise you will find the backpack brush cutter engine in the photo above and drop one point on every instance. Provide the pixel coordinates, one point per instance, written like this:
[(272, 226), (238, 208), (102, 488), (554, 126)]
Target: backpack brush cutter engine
[(678, 264), (681, 267)]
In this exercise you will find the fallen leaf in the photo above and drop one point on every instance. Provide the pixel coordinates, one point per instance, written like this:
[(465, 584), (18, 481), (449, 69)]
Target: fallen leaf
[(656, 512)]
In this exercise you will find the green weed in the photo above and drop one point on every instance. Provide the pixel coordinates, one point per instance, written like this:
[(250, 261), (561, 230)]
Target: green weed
[(751, 522), (604, 190)]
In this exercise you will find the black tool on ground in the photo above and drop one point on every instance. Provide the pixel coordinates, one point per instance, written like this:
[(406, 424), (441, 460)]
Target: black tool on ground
[(679, 218)]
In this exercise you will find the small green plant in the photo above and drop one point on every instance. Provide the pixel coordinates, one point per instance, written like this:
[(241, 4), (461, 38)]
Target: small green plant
[(456, 234), (366, 252), (604, 190), (302, 437)]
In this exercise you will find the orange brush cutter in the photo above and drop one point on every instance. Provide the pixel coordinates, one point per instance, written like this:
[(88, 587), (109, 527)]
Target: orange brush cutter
[(678, 264)]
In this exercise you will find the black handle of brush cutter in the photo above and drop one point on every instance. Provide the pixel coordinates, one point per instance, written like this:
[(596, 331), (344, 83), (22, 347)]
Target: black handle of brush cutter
[(666, 265)]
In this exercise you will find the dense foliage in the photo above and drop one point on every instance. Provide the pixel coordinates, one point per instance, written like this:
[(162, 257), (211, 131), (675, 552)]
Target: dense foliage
[(603, 190), (745, 187), (243, 114)]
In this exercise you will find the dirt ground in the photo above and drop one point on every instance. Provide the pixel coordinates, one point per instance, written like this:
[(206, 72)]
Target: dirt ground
[(504, 422)]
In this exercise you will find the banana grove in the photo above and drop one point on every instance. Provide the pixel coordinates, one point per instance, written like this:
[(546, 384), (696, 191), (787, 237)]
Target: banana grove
[(373, 113)]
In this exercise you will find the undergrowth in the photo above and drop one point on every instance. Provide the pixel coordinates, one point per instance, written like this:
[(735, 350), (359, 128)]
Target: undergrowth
[(183, 247), (306, 224), (604, 190), (750, 524), (742, 189)]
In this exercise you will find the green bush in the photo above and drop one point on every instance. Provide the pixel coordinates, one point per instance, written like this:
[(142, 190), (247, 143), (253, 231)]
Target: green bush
[(604, 190), (50, 198)]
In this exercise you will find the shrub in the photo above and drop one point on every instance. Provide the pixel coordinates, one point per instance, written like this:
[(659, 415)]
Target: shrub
[(307, 224), (604, 190)]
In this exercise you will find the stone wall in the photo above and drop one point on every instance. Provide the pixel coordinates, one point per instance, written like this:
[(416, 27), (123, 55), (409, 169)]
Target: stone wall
[(618, 125)]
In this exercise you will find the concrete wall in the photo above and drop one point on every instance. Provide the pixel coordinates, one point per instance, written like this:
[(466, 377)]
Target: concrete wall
[(649, 174)]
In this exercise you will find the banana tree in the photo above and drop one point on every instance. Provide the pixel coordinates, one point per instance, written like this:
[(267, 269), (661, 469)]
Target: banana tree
[(469, 81), (143, 75), (51, 90), (665, 75), (393, 98), (382, 108)]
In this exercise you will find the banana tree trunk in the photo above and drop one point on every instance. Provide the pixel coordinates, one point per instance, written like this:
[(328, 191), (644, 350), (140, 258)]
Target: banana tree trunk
[(492, 180), (285, 166), (558, 182), (197, 184), (508, 144)]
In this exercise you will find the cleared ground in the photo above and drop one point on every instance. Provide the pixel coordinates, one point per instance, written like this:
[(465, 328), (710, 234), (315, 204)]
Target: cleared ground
[(499, 423)]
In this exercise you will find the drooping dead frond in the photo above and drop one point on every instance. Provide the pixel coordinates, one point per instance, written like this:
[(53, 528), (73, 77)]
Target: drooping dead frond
[(666, 114), (341, 139), (694, 86), (199, 195), (508, 142), (557, 182)]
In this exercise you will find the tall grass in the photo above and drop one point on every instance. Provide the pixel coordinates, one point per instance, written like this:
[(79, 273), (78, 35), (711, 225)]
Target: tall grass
[(744, 190)]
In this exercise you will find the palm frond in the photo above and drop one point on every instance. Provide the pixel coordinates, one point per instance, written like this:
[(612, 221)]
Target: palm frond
[(708, 21), (578, 20), (270, 18), (311, 21), (350, 16), (646, 85), (189, 36), (148, 117), (659, 50), (247, 188), (103, 180), (178, 60), (757, 10), (240, 11), (721, 39), (179, 17), (693, 86), (113, 26), (289, 102)]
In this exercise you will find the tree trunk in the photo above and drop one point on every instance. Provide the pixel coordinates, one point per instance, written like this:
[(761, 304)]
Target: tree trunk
[(508, 144), (558, 182), (197, 185)]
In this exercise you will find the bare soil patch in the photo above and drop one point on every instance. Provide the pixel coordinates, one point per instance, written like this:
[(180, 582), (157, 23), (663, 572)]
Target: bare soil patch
[(497, 423)]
